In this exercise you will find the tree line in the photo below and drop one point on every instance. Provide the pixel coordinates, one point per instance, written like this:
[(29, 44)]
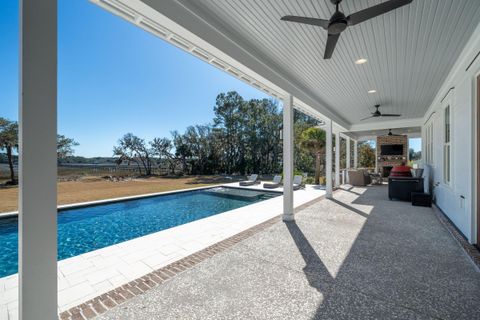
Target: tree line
[(9, 143), (244, 137)]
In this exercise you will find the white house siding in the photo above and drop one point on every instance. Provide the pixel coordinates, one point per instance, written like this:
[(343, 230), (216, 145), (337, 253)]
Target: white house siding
[(462, 101)]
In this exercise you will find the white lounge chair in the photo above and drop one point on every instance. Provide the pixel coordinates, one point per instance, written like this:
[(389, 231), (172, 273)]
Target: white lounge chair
[(250, 182), (297, 182), (274, 184)]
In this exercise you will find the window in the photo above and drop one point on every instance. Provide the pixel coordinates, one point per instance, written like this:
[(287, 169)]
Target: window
[(429, 143), (446, 146)]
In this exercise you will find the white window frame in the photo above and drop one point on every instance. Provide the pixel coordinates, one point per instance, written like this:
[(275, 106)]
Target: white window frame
[(429, 142), (447, 144)]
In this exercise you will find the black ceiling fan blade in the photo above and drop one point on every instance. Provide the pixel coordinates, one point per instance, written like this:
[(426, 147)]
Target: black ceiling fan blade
[(367, 118), (312, 21), (390, 115), (331, 44), (372, 12)]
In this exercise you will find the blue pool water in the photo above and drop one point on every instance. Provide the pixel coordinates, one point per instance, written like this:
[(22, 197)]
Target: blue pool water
[(86, 229)]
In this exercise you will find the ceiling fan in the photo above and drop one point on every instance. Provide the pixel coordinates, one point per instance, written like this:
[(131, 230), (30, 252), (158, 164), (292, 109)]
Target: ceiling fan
[(390, 133), (378, 114), (339, 22)]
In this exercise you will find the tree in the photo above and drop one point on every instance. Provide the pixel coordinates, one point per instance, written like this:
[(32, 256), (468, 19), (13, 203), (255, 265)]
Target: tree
[(228, 123), (65, 146), (313, 139), (412, 155), (162, 147), (9, 141), (304, 159), (134, 149), (366, 155), (182, 149), (245, 134)]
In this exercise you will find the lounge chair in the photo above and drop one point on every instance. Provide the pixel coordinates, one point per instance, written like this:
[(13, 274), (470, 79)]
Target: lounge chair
[(274, 184), (250, 182), (297, 182)]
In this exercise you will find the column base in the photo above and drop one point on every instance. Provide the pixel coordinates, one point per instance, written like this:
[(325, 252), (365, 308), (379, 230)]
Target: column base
[(288, 217)]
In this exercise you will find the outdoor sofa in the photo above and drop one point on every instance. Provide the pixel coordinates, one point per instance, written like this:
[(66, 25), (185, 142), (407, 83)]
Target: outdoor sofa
[(401, 188)]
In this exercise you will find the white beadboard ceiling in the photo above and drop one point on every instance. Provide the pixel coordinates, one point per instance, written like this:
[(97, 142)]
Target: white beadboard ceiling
[(410, 50), (411, 132)]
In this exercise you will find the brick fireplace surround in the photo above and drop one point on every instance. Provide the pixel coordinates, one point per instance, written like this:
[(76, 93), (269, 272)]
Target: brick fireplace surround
[(386, 162)]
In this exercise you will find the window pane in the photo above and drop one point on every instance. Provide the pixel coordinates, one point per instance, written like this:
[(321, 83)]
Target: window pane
[(447, 124)]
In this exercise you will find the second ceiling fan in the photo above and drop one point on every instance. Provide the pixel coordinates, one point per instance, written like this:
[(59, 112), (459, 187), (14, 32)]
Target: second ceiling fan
[(339, 22), (378, 114)]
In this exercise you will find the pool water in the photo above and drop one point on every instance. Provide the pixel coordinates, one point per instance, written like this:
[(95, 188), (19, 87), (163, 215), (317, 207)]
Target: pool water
[(89, 228)]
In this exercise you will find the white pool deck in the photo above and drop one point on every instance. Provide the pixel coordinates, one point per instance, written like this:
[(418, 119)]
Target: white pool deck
[(88, 275)]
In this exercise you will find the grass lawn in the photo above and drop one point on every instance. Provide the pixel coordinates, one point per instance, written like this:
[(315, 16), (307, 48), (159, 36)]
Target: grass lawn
[(95, 188)]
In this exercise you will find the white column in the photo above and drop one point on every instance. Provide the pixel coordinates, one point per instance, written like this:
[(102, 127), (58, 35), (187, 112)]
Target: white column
[(288, 159), (355, 154), (348, 154), (329, 156), (37, 227), (337, 160)]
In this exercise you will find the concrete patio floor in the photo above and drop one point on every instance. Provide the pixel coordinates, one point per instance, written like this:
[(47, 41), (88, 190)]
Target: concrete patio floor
[(359, 256)]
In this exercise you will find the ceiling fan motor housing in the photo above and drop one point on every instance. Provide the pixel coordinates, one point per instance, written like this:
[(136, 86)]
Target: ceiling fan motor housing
[(338, 23)]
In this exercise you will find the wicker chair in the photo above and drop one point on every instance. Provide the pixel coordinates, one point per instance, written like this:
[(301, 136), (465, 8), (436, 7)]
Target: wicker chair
[(359, 178)]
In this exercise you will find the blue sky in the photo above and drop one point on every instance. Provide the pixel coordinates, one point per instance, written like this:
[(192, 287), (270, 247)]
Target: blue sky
[(115, 78), (415, 144)]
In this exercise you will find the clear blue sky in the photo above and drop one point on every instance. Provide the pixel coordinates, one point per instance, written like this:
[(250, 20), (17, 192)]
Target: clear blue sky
[(115, 78), (415, 144)]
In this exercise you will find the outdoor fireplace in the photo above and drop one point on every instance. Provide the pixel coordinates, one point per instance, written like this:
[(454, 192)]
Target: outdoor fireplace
[(391, 151)]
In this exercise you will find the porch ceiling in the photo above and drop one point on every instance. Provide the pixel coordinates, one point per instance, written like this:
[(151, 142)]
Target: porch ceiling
[(410, 50), (412, 132)]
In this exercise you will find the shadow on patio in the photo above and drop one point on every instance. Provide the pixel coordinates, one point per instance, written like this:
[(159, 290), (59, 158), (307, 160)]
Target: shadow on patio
[(359, 256)]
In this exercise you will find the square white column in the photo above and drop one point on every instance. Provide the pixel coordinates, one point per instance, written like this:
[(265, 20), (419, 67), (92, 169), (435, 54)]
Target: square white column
[(337, 159), (355, 154), (348, 154), (329, 158), (288, 159), (37, 227)]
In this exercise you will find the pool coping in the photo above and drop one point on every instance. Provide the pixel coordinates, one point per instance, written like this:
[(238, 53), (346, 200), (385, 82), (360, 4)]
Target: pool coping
[(113, 298), (63, 207)]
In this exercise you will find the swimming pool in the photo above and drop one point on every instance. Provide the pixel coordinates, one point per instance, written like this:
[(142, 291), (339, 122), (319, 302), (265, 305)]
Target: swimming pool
[(85, 229)]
